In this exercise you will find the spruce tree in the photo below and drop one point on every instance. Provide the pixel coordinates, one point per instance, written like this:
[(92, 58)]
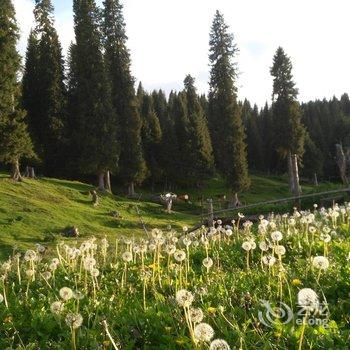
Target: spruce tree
[(200, 152), (290, 133), (225, 119), (92, 122), (44, 92), (151, 136), (15, 142), (132, 167)]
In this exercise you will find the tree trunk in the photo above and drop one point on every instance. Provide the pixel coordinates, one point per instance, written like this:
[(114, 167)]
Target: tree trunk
[(30, 172), (341, 161), (101, 182), (315, 180), (290, 173), (108, 181), (131, 189), (16, 174), (295, 172), (210, 213)]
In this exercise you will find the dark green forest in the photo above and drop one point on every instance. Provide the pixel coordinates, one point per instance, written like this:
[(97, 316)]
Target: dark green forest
[(84, 117)]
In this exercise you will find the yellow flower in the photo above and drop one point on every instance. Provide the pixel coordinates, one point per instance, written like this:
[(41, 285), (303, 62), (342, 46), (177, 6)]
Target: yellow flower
[(296, 282), (211, 310)]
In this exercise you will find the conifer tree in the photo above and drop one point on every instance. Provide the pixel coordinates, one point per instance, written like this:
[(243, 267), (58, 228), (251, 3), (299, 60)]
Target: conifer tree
[(15, 142), (200, 152), (151, 135), (132, 167), (92, 122), (44, 92), (225, 119), (289, 131)]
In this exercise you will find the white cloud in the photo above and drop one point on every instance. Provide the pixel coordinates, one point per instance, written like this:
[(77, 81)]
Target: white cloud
[(169, 39)]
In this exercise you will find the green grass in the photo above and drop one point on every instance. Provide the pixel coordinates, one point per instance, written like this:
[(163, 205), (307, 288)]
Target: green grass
[(39, 210)]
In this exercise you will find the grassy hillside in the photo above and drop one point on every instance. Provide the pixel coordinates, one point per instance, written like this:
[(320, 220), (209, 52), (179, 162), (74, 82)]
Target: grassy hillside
[(39, 210)]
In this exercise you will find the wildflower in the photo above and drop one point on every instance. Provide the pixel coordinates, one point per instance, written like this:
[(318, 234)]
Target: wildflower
[(269, 260), (263, 246), (208, 262), (185, 228), (320, 262), (74, 320), (66, 293), (325, 237), (308, 299), (186, 241), (240, 215), (89, 263), (40, 248), (247, 246), (95, 272), (184, 298), (196, 315), (219, 344), (170, 249), (203, 332), (180, 255), (211, 310), (127, 256), (57, 307), (47, 275), (78, 295), (276, 236), (29, 273), (30, 255), (228, 232), (280, 250), (296, 282)]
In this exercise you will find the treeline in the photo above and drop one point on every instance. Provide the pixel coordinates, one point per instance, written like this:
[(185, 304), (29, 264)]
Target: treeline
[(327, 123), (84, 117)]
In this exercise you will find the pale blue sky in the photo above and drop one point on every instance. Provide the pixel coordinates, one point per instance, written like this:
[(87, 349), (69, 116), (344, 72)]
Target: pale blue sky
[(169, 39)]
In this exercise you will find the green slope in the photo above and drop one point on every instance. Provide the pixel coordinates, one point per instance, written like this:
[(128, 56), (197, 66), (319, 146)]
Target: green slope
[(38, 211)]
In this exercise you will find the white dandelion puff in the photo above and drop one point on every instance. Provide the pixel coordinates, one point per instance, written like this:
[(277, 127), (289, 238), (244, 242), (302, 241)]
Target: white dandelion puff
[(203, 332), (184, 298)]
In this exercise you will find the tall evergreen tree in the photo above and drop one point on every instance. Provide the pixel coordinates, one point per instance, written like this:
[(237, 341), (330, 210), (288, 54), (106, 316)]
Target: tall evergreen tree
[(200, 151), (151, 136), (92, 121), (290, 133), (132, 167), (225, 120), (15, 141), (44, 92)]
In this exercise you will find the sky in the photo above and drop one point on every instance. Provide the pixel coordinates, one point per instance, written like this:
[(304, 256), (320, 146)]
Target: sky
[(168, 39)]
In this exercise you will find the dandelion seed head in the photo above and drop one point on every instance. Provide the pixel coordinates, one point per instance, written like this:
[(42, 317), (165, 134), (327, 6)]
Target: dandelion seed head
[(30, 255), (320, 262), (280, 250), (276, 236), (196, 315), (269, 260), (127, 256), (308, 299), (247, 246), (66, 293), (74, 320), (179, 255), (208, 262), (184, 298), (219, 344), (57, 307), (203, 332)]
